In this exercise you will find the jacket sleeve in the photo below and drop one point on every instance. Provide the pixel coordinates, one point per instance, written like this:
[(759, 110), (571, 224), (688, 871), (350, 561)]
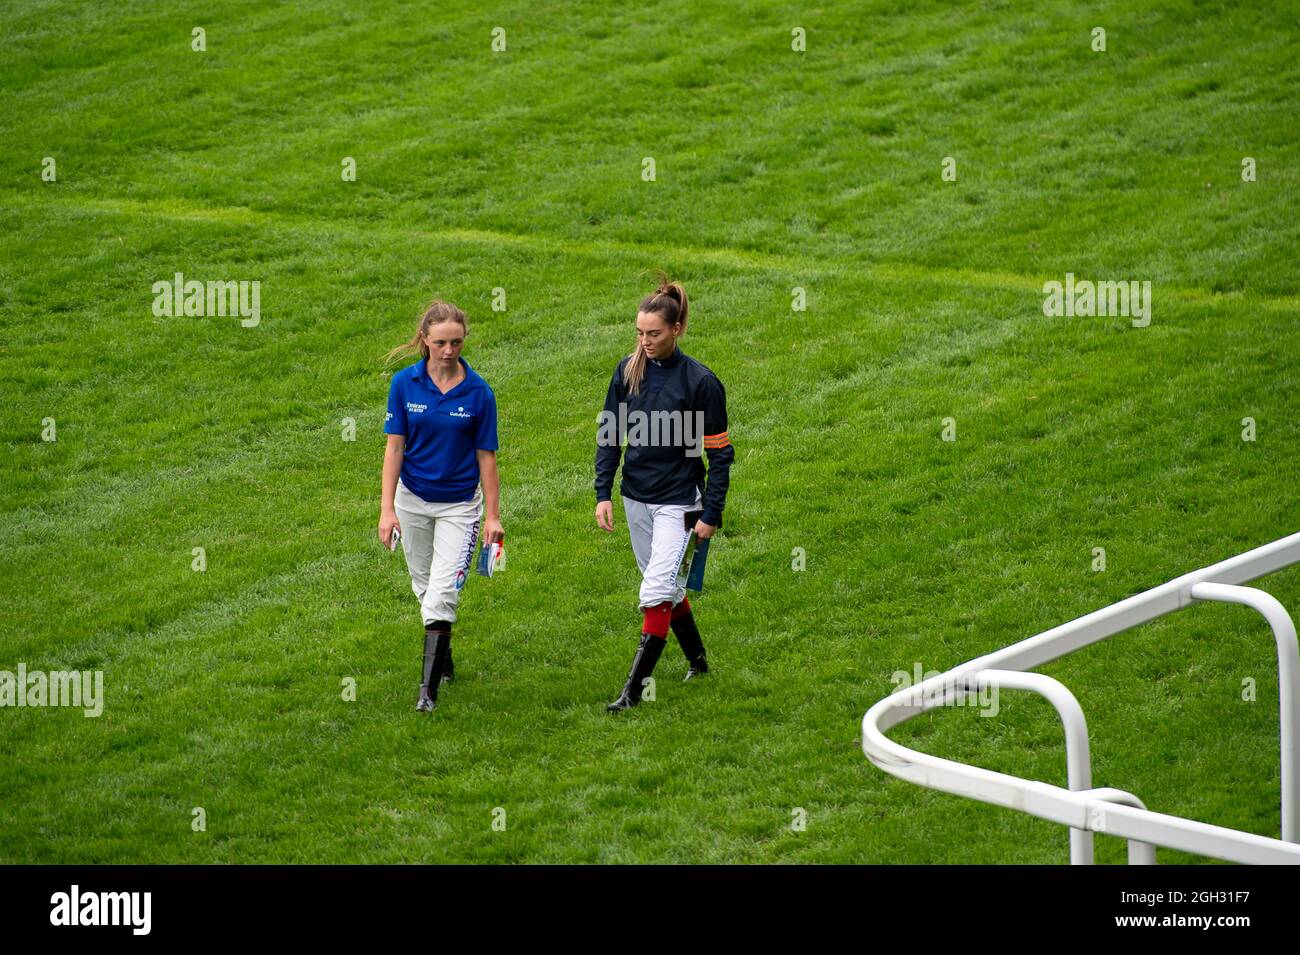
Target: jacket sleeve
[(717, 444), (609, 438)]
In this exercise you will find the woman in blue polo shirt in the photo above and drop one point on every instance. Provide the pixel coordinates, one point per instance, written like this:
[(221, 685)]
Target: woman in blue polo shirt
[(440, 475)]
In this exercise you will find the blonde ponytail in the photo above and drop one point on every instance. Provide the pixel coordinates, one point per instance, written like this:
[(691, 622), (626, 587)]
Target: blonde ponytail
[(436, 312)]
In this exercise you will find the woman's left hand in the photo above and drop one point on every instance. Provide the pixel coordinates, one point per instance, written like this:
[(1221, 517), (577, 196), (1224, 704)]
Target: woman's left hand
[(493, 532), (704, 531)]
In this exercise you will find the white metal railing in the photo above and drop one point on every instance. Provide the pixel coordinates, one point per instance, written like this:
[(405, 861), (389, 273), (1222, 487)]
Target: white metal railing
[(1084, 809)]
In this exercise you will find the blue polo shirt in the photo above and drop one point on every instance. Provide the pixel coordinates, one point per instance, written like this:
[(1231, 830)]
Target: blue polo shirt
[(443, 432)]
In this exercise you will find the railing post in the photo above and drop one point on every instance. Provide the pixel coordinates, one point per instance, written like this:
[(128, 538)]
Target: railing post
[(1288, 677), (1139, 853), (1078, 762)]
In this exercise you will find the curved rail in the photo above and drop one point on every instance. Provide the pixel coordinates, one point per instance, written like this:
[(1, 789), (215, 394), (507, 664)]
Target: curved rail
[(1107, 810)]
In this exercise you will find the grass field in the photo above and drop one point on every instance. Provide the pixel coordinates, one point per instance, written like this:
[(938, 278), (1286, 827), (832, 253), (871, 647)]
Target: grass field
[(522, 170)]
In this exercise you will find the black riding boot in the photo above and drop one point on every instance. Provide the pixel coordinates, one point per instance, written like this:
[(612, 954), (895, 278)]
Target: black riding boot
[(688, 636), (437, 645), (643, 664), (449, 673)]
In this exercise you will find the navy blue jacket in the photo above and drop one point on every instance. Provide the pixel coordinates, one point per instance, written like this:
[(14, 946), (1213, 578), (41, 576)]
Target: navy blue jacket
[(679, 414)]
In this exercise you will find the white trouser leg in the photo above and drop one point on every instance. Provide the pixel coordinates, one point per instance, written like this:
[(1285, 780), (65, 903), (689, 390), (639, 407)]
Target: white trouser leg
[(417, 537), (455, 533), (439, 549), (640, 524), (659, 539)]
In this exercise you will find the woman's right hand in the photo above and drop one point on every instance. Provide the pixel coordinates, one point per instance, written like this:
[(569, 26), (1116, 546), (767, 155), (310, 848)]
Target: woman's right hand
[(605, 515), (387, 521)]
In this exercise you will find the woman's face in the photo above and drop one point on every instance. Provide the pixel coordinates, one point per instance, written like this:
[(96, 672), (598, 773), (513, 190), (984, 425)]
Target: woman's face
[(445, 340), (657, 338)]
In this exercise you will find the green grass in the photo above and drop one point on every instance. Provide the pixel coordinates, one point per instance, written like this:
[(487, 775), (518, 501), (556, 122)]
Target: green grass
[(522, 170)]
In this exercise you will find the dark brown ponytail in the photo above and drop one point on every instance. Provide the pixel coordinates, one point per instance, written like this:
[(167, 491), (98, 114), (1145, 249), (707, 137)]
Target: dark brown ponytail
[(668, 301)]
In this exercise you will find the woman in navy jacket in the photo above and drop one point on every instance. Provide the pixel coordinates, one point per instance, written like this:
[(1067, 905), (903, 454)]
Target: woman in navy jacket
[(670, 409)]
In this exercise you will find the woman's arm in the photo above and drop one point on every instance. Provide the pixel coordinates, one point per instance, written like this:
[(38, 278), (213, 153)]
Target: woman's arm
[(609, 449), (394, 450), (488, 474)]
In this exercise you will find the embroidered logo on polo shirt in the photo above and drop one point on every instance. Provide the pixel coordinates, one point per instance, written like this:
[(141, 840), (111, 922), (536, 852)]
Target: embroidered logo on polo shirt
[(460, 413), (414, 408)]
